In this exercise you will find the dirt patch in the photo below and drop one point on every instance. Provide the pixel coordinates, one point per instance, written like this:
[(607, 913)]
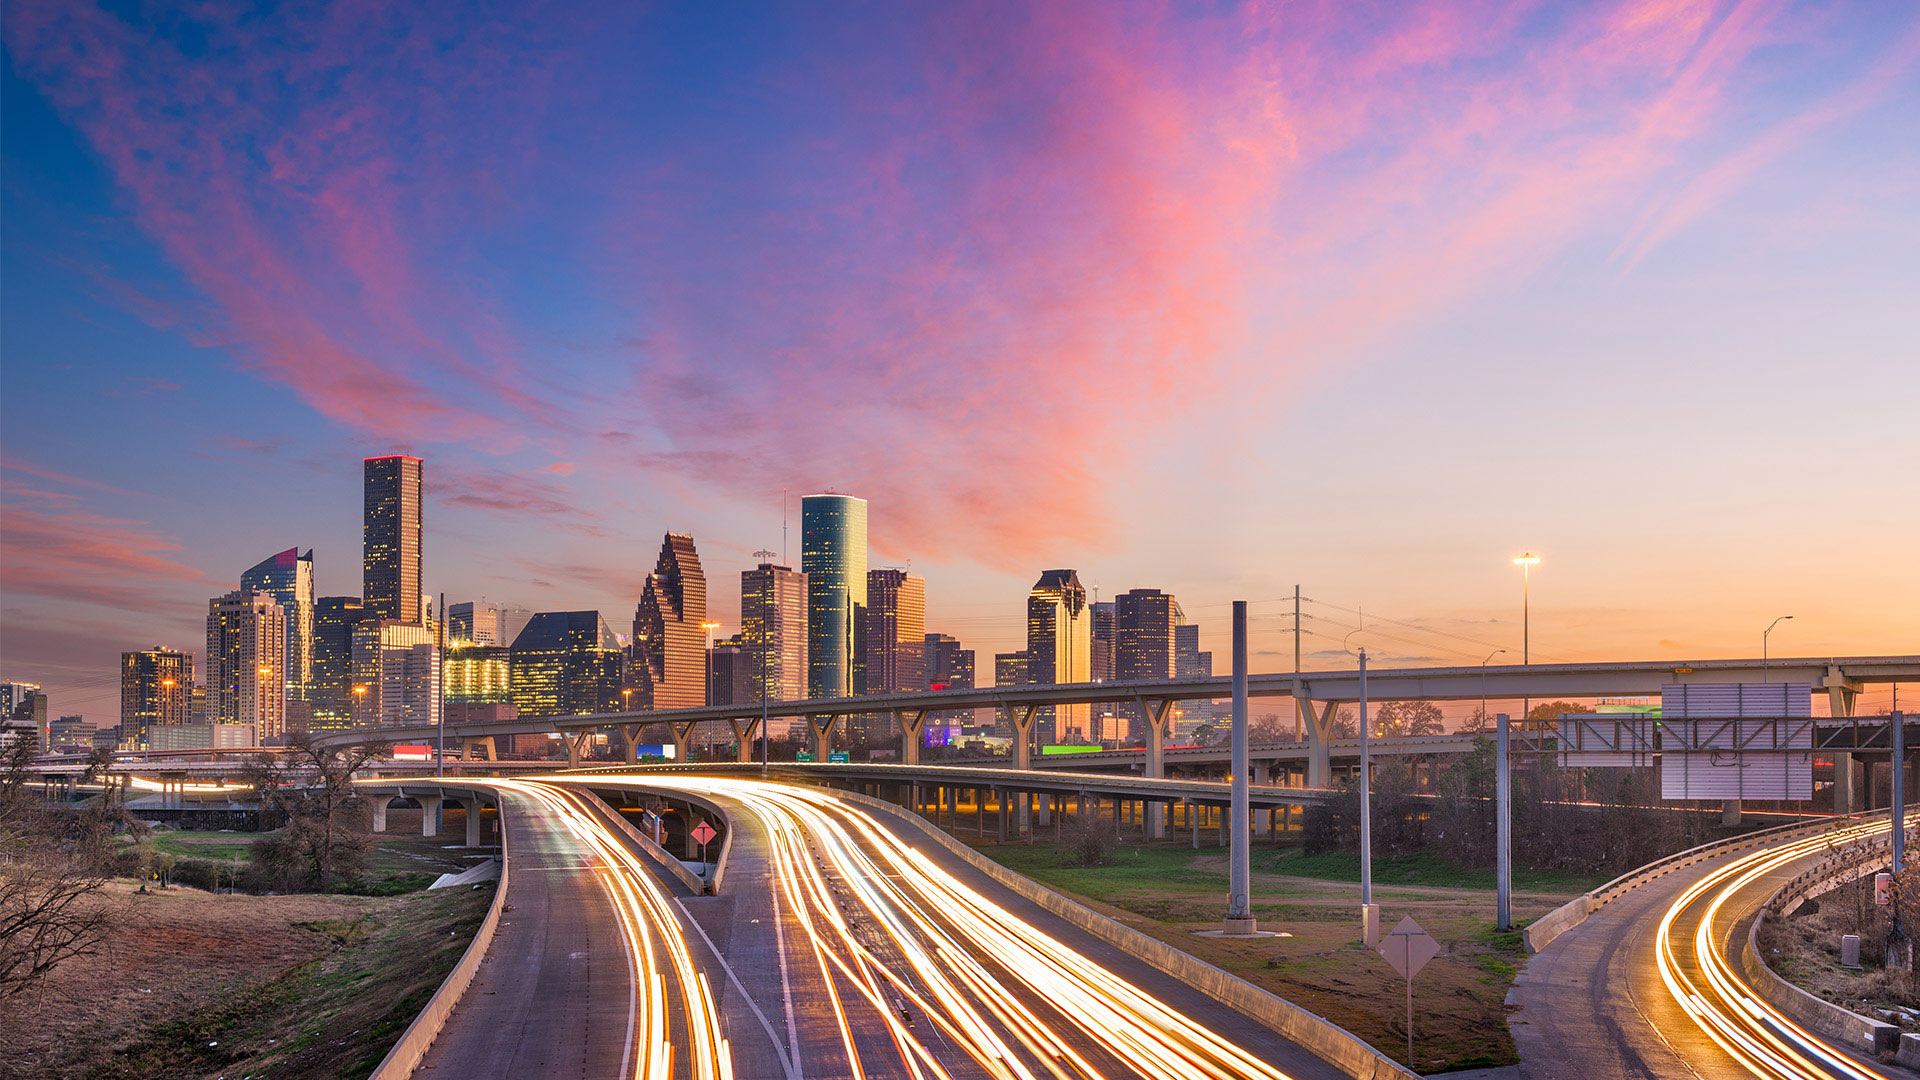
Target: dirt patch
[(1459, 998), (1804, 949), (174, 951)]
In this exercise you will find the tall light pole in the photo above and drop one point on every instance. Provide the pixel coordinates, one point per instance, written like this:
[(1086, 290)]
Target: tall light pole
[(1763, 644), (1526, 562), (1483, 683), (1369, 912)]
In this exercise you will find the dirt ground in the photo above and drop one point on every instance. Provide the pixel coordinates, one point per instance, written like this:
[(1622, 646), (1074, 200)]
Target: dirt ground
[(175, 950), (1322, 965)]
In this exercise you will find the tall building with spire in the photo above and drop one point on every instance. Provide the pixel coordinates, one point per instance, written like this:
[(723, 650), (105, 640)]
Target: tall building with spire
[(288, 578), (669, 648), (833, 555), (393, 538), (1059, 649), (773, 631), (246, 648)]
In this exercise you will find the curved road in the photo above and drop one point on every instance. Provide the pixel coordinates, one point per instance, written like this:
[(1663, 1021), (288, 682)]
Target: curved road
[(1605, 999)]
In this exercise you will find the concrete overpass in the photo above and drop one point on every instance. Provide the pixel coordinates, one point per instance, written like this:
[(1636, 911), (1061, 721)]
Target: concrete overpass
[(1317, 696)]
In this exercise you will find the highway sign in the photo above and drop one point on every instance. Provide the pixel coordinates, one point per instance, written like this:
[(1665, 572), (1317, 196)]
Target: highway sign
[(703, 835), (839, 757), (804, 755), (1408, 948)]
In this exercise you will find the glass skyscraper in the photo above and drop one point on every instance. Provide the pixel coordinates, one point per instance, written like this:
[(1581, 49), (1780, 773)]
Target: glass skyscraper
[(773, 626), (567, 663), (288, 578), (156, 687), (669, 630), (331, 692), (833, 555), (1059, 649), (393, 538)]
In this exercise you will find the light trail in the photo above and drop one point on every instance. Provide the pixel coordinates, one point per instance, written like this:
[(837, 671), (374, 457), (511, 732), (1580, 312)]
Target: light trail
[(926, 977), (1758, 1036)]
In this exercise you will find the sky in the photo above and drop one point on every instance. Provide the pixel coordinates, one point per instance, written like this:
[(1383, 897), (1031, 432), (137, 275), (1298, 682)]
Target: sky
[(1215, 298)]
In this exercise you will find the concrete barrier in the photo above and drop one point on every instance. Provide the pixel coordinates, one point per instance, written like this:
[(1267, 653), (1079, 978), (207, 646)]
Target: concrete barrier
[(1822, 1018), (1541, 932), (660, 855), (414, 1042), (1909, 1054), (1331, 1043)]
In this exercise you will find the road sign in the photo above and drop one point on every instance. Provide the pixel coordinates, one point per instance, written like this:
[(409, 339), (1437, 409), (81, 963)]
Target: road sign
[(804, 755), (703, 835), (839, 757), (1408, 948)]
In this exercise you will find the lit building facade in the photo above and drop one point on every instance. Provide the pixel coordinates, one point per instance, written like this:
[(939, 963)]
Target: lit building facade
[(1059, 649), (330, 694), (949, 667), (669, 646), (477, 674), (896, 632), (567, 663), (773, 627), (246, 657), (393, 538), (833, 556), (1009, 669), (482, 622), (1191, 662), (1144, 622), (23, 714), (156, 687), (288, 578), (396, 673)]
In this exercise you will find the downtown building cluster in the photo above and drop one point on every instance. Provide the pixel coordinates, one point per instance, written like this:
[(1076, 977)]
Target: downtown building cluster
[(278, 659)]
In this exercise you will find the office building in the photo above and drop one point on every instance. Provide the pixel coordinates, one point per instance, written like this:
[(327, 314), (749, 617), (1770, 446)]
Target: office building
[(669, 648), (833, 556), (71, 731), (203, 736), (23, 714), (393, 538), (567, 663), (896, 632), (246, 656), (949, 667), (773, 626), (476, 674), (156, 687), (288, 578), (1009, 669), (396, 673), (1144, 623), (1059, 649), (1105, 644), (330, 693), (1190, 662), (483, 622), (735, 680)]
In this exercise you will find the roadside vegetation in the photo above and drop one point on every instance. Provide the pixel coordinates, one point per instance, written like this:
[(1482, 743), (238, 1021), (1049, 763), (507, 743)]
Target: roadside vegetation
[(1804, 948)]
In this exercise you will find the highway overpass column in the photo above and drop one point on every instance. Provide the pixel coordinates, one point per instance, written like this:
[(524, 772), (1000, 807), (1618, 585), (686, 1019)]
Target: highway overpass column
[(1023, 735), (1239, 917), (911, 723), (1319, 754), (474, 837), (743, 739), (1155, 713), (1502, 829), (630, 743), (379, 813), (429, 814), (821, 730), (1000, 806), (1843, 783)]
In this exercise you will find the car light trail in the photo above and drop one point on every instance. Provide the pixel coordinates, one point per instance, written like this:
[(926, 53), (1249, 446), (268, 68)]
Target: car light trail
[(1711, 990), (906, 950)]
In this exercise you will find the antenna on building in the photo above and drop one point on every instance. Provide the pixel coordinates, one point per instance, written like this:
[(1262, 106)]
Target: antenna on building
[(783, 528), (764, 555)]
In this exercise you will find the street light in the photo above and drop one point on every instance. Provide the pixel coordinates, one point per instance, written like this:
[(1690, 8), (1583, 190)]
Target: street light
[(1526, 562), (1369, 913), (1483, 683), (626, 698), (1763, 644)]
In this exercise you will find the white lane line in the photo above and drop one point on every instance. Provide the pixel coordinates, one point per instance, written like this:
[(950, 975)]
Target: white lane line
[(791, 1067)]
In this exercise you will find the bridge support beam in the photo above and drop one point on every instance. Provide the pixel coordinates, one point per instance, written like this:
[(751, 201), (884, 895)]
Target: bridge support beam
[(1156, 713), (429, 814), (470, 744), (630, 743), (682, 740), (1319, 753), (743, 737), (475, 834), (821, 729), (912, 722), (1022, 716), (380, 812), (576, 745)]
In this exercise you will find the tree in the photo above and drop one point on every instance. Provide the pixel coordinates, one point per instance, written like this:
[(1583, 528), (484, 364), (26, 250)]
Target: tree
[(1549, 711), (1269, 728), (1480, 722), (1403, 718), (329, 835), (1343, 725), (50, 864)]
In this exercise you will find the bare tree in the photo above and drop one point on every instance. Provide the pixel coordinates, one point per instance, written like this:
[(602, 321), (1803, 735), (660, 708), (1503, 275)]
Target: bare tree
[(1398, 718), (50, 863), (328, 837)]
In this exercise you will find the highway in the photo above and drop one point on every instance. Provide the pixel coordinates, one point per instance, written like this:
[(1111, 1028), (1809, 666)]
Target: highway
[(1650, 985), (841, 946)]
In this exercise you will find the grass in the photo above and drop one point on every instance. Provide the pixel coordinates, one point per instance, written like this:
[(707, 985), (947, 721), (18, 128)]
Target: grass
[(332, 1017), (192, 844), (1416, 870)]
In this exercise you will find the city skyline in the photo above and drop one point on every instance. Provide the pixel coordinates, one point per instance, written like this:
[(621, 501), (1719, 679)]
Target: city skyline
[(1316, 336)]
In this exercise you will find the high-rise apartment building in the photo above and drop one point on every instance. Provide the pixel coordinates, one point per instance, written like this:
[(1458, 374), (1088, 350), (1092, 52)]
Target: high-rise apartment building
[(393, 538), (669, 633), (330, 694), (773, 626), (156, 687), (246, 654), (567, 663), (483, 622), (476, 674), (833, 556), (288, 578), (396, 673), (1059, 649)]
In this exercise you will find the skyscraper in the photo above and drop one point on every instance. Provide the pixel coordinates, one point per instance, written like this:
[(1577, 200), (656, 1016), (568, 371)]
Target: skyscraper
[(896, 630), (1105, 642), (288, 578), (567, 663), (1059, 649), (773, 625), (833, 555), (476, 675), (396, 673), (483, 622), (1144, 623), (669, 639), (246, 654), (156, 687), (1189, 662), (395, 491), (949, 667), (1009, 669), (23, 714), (331, 692)]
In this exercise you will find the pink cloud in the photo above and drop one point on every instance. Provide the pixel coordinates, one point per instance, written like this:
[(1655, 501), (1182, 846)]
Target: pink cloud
[(58, 551)]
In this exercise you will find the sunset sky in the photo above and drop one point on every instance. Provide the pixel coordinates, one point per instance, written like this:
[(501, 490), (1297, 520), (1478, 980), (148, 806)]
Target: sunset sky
[(1216, 298)]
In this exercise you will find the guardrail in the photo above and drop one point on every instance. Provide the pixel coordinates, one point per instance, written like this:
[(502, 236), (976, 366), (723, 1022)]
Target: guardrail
[(406, 1054), (1542, 931)]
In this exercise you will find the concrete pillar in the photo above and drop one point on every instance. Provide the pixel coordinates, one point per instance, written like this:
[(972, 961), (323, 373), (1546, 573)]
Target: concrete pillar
[(1000, 802), (474, 835), (820, 730), (911, 723), (1843, 783), (380, 812), (743, 738), (576, 744), (429, 814), (980, 812), (630, 743), (1155, 713), (1262, 822), (1729, 812), (1319, 754), (1023, 735), (1193, 822), (1046, 810)]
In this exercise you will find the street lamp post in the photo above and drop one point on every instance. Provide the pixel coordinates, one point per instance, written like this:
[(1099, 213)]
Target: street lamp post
[(1526, 562), (1369, 912), (1763, 644), (1483, 683)]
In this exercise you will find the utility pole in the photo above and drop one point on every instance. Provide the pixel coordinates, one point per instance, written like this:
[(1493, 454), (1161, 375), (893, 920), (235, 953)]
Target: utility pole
[(1503, 829), (1239, 918), (1369, 911), (440, 691), (1899, 778), (1297, 699)]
